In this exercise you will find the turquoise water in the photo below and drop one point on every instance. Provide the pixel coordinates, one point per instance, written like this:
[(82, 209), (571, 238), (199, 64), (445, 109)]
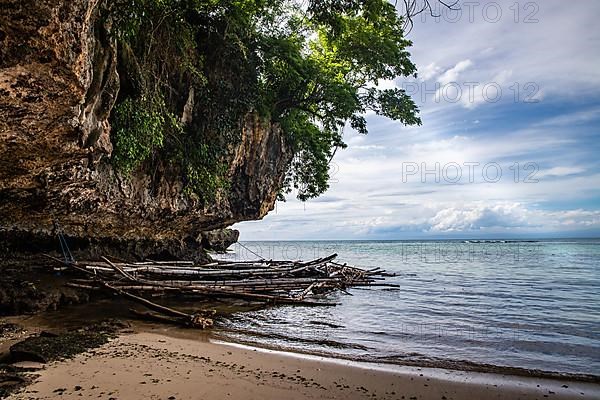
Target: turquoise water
[(518, 304)]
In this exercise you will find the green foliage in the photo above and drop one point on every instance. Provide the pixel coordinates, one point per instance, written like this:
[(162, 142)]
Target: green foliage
[(309, 172), (322, 73), (159, 62), (139, 125), (205, 178), (313, 67)]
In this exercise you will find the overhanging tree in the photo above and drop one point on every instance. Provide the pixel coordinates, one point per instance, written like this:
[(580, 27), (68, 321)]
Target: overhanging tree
[(311, 66)]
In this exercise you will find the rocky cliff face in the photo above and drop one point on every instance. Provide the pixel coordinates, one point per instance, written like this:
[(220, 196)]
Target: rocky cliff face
[(58, 84)]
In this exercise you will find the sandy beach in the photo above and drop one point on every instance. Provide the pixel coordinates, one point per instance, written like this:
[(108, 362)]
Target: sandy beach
[(154, 366)]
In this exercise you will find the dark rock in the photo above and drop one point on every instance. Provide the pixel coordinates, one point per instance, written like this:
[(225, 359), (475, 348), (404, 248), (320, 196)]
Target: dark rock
[(219, 239), (9, 385), (46, 348), (27, 366), (24, 297), (15, 243), (10, 378), (8, 329)]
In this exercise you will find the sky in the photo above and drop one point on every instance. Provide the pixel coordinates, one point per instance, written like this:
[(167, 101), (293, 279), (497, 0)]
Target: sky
[(509, 94)]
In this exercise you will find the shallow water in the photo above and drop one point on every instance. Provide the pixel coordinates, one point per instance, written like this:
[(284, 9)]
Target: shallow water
[(519, 304)]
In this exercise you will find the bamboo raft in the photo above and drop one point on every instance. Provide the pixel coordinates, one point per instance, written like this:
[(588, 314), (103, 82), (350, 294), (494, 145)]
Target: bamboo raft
[(265, 281)]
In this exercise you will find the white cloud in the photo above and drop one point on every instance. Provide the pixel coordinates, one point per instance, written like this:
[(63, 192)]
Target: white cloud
[(452, 74), (510, 216), (426, 218), (479, 217), (430, 71), (560, 171), (553, 54), (477, 93)]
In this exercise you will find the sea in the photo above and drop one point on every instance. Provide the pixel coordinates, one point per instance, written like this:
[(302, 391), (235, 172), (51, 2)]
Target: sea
[(527, 304)]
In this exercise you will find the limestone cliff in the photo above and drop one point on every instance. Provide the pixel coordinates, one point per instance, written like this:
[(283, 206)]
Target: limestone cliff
[(58, 85)]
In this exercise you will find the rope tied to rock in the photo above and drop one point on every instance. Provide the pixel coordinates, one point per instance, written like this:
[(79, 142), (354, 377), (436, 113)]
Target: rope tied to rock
[(64, 247)]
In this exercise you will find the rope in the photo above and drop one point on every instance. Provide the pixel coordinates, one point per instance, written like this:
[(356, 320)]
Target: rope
[(257, 255), (64, 247)]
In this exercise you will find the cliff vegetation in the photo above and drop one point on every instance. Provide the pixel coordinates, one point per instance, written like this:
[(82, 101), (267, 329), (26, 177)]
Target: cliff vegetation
[(143, 125), (310, 67)]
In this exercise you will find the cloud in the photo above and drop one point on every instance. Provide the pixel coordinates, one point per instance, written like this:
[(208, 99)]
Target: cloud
[(477, 93), (560, 171), (328, 199), (452, 74), (428, 72), (577, 117), (428, 219), (554, 52), (510, 216), (479, 217)]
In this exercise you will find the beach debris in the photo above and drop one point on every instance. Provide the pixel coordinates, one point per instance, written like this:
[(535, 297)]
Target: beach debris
[(303, 283)]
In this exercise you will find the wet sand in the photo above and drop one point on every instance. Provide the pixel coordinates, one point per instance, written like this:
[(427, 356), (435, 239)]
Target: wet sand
[(154, 366)]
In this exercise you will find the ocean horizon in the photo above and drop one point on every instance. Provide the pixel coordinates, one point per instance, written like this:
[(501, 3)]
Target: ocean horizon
[(528, 304)]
